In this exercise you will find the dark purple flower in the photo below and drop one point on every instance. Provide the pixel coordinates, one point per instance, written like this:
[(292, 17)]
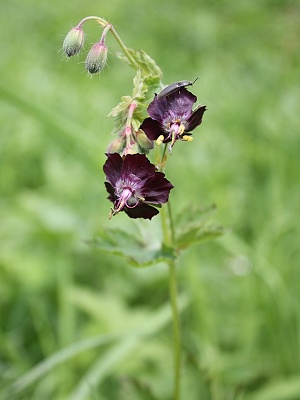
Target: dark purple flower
[(172, 117), (134, 186)]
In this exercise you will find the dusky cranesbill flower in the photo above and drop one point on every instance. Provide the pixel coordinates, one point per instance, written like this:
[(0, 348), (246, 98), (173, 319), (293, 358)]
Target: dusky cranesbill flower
[(172, 118), (134, 186)]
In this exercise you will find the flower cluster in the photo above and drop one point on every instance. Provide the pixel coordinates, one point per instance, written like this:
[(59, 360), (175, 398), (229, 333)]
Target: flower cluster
[(133, 183)]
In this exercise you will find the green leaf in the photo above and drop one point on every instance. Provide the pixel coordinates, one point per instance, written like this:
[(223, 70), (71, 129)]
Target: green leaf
[(135, 250), (141, 389), (143, 92), (121, 107), (193, 226), (145, 86), (197, 234), (144, 61), (119, 347), (58, 358), (119, 114), (288, 389)]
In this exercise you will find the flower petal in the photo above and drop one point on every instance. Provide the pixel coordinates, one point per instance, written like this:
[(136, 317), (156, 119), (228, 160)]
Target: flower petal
[(157, 189), (178, 103), (137, 165), (111, 191), (195, 119), (141, 211), (152, 128), (112, 168)]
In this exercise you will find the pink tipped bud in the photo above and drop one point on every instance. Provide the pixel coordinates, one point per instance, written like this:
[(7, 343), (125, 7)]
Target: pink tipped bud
[(73, 42), (96, 58)]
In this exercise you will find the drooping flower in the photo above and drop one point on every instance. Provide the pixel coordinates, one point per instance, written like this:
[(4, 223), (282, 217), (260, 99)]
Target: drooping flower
[(134, 186), (172, 118)]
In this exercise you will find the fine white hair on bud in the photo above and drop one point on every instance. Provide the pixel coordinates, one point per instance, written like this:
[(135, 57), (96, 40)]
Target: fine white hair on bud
[(96, 58), (73, 42)]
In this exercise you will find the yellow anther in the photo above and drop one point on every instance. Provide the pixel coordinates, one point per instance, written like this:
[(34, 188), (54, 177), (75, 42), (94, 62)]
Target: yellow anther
[(187, 138), (181, 129), (160, 139)]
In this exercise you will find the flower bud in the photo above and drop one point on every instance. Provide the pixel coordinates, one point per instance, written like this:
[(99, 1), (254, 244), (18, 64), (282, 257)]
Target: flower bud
[(96, 58), (116, 146), (143, 141), (73, 41), (133, 148)]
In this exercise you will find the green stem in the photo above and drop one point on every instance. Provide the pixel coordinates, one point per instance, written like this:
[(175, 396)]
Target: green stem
[(105, 23), (176, 329), (167, 237), (169, 241), (171, 223), (124, 49)]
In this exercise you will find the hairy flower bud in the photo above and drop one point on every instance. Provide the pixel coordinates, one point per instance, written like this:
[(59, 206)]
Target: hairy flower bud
[(73, 41), (96, 58), (143, 141), (116, 146)]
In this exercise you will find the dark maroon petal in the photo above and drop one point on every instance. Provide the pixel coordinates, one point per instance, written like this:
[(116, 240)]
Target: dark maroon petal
[(195, 119), (141, 211), (157, 189), (178, 103), (112, 168), (111, 191), (157, 108), (182, 101), (152, 128), (136, 173), (137, 165)]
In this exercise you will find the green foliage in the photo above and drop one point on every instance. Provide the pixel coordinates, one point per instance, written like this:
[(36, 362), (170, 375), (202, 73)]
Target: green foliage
[(144, 61), (144, 87), (138, 252), (241, 328), (193, 226)]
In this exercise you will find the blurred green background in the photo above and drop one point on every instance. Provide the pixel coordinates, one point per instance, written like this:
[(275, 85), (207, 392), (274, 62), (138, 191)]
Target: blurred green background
[(78, 324)]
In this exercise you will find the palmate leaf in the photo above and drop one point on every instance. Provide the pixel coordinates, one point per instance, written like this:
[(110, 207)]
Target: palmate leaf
[(137, 252), (193, 226)]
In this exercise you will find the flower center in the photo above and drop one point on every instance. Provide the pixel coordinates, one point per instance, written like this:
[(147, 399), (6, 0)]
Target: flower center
[(175, 131), (127, 194), (125, 198)]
